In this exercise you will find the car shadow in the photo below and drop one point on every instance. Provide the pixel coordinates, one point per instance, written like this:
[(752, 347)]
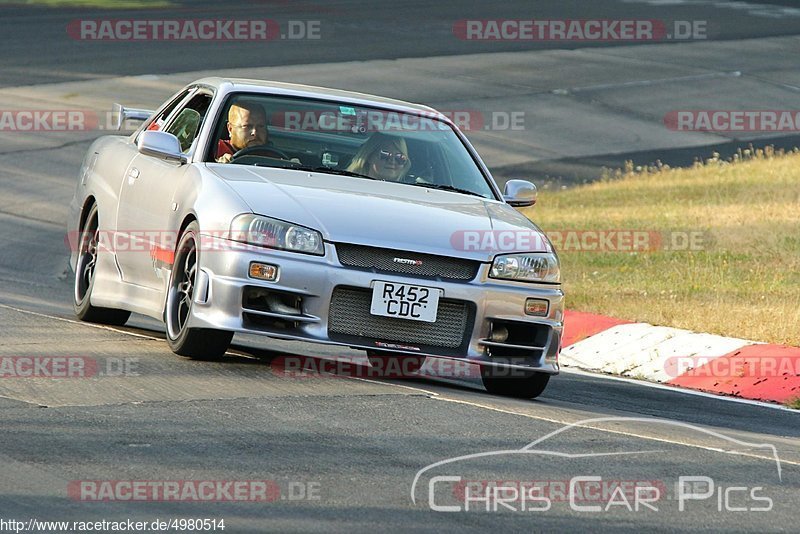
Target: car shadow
[(452, 375)]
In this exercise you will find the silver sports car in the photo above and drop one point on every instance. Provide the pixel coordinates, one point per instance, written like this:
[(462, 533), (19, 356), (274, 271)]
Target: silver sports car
[(319, 215)]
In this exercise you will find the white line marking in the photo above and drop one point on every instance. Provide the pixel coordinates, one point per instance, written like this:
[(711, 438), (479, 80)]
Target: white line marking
[(611, 431), (82, 323), (431, 394)]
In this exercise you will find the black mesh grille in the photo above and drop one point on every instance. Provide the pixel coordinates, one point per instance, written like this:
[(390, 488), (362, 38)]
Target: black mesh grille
[(426, 266), (349, 315)]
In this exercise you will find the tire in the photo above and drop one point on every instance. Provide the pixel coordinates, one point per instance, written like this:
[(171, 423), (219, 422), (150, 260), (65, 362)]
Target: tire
[(393, 365), (527, 386), (196, 343), (85, 271)]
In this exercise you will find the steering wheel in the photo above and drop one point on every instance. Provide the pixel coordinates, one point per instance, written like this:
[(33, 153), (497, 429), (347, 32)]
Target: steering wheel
[(259, 150)]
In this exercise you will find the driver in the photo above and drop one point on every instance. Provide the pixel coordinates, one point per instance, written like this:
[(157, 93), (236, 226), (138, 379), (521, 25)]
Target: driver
[(247, 126)]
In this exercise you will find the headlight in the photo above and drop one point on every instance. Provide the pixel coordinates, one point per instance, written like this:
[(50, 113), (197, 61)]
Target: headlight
[(532, 267), (274, 233)]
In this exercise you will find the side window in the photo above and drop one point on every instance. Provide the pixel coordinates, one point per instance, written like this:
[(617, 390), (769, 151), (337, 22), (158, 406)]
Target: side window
[(186, 123), (161, 119)]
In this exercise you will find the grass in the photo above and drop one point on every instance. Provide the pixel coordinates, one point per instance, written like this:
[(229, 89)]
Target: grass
[(794, 403), (744, 281)]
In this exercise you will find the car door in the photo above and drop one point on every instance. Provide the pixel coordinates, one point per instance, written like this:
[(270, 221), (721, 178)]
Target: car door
[(128, 243), (147, 199)]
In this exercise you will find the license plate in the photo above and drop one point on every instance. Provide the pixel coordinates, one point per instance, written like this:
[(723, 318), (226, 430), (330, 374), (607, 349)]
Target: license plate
[(405, 301)]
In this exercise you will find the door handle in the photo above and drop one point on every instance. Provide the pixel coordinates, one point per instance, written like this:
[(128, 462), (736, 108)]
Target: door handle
[(133, 173)]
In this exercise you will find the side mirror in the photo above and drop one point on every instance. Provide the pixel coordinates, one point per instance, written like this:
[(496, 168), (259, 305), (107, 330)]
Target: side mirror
[(161, 145), (121, 116), (519, 193)]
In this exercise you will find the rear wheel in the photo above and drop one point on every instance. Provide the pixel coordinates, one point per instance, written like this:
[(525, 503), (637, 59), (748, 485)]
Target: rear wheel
[(394, 365), (197, 343), (85, 272), (528, 385)]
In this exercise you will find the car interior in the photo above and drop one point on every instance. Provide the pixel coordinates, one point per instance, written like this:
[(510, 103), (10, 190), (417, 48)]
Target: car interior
[(334, 149), (311, 146)]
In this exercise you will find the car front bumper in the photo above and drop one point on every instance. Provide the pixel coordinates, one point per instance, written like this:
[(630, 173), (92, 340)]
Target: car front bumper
[(224, 300)]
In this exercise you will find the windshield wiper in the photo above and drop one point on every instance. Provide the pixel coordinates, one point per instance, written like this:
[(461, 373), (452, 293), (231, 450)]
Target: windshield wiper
[(331, 170), (452, 188)]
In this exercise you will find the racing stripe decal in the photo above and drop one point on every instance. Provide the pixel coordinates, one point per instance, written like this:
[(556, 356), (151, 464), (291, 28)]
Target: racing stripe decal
[(162, 257)]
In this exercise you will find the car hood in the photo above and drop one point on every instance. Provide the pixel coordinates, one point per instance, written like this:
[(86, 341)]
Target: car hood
[(385, 214)]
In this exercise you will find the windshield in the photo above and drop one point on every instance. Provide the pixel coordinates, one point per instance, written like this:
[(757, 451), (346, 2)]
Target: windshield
[(346, 140)]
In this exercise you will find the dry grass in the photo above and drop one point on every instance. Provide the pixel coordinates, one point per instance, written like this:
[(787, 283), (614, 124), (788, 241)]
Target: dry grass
[(745, 282)]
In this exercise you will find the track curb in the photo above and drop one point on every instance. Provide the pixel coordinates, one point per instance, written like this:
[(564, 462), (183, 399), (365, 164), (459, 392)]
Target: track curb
[(705, 362)]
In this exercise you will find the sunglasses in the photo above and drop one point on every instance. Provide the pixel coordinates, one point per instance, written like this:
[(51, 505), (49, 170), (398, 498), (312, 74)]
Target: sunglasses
[(399, 157)]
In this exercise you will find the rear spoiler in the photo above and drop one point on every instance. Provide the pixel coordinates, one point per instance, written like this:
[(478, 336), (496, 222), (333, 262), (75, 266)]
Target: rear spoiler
[(120, 115)]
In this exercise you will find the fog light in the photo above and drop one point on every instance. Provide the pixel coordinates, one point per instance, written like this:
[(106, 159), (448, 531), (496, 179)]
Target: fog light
[(499, 334), (536, 307), (264, 271)]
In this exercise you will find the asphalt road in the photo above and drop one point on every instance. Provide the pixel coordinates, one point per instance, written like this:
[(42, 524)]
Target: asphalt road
[(339, 453), (37, 47)]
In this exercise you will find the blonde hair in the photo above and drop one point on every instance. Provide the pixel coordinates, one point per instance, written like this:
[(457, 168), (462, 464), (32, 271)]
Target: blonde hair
[(360, 161)]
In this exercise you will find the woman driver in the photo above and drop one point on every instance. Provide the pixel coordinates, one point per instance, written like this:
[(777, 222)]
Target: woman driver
[(384, 157)]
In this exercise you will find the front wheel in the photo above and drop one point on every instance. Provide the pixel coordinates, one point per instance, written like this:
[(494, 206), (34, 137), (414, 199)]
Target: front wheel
[(197, 343), (527, 385), (85, 274)]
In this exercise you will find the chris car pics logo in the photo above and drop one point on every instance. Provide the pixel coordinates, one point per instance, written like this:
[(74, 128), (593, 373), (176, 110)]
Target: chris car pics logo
[(600, 481)]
